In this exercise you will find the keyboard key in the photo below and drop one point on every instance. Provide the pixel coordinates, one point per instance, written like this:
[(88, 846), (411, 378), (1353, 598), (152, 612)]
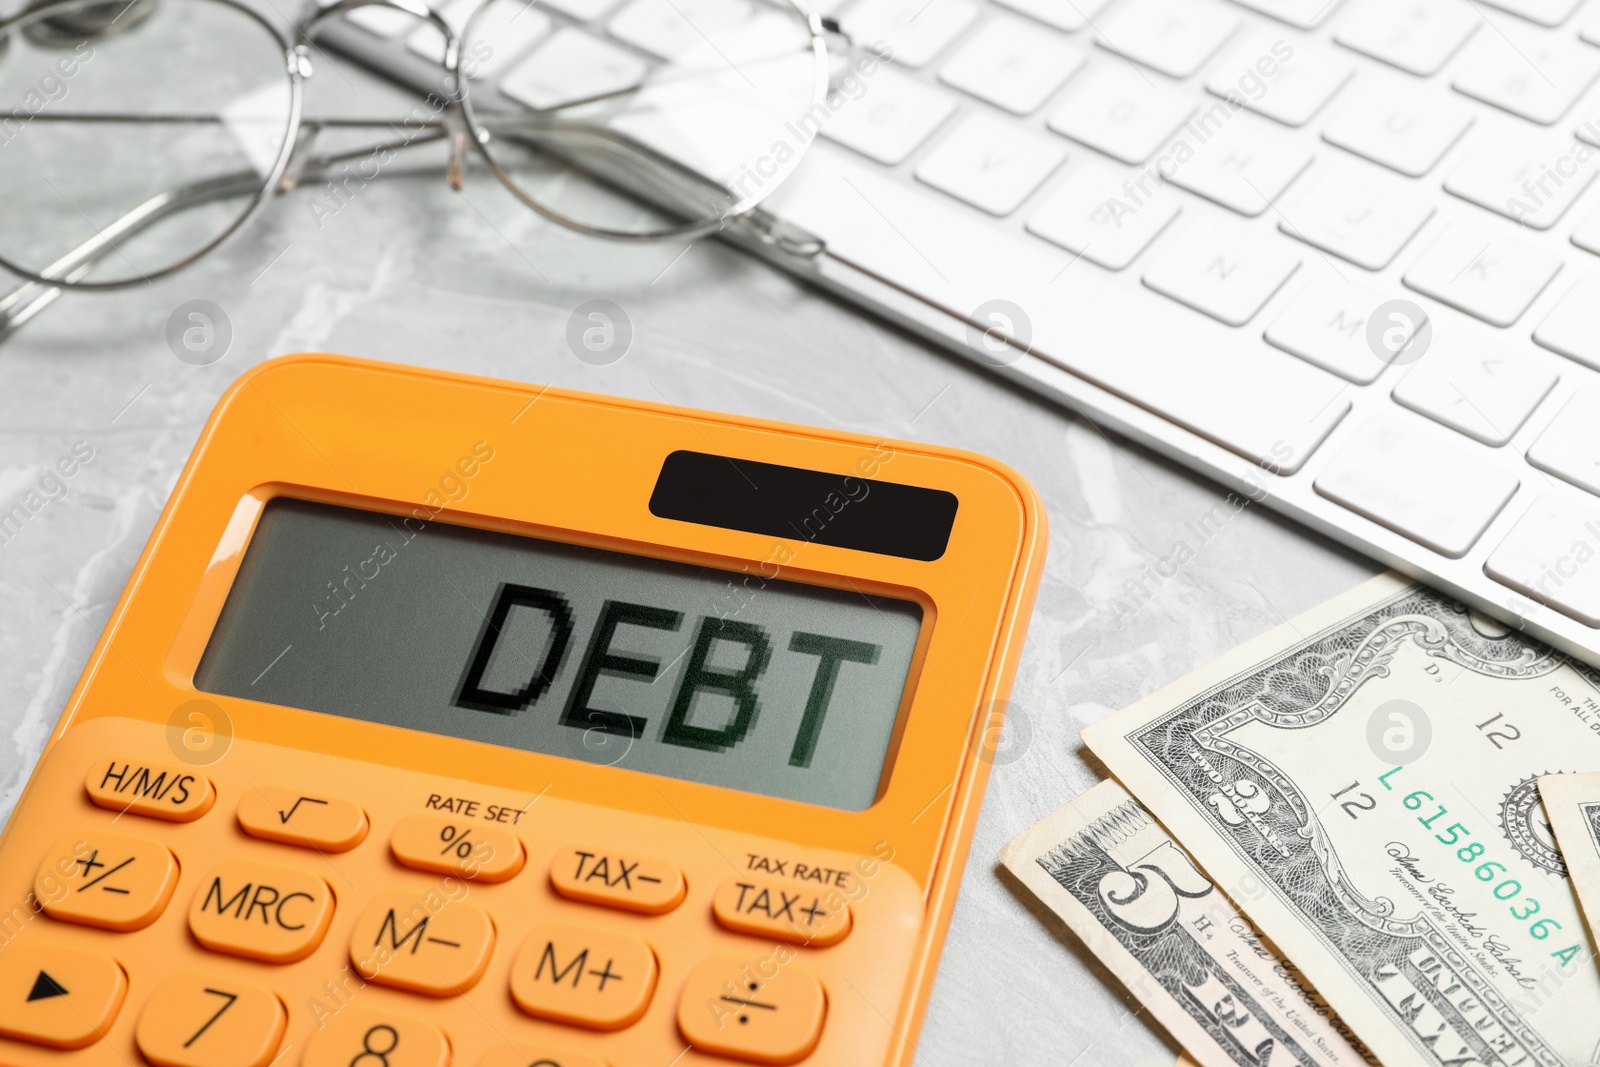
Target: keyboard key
[(895, 116), (1172, 36), (443, 844), (384, 22), (1573, 327), (261, 912), (155, 790), (1544, 12), (1261, 72), (1065, 15), (1223, 270), (668, 29), (1483, 272), (1475, 387), (1012, 65), (571, 66), (617, 880), (1357, 213), (1254, 400), (1245, 166), (110, 881), (1587, 235), (1420, 480), (582, 10), (583, 977), (1529, 178), (991, 164), (1569, 448), (1302, 14), (917, 30), (1417, 36), (1326, 324), (1548, 555), (729, 1007), (196, 1020), (292, 817), (509, 28), (368, 1038), (1536, 76), (1404, 127), (782, 910), (1104, 212), (56, 996), (1118, 111), (422, 943)]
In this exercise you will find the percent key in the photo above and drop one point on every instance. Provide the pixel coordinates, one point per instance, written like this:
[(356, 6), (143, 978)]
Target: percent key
[(446, 845)]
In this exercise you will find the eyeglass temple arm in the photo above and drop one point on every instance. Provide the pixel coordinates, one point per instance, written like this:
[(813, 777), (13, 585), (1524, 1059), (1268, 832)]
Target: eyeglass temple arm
[(30, 298)]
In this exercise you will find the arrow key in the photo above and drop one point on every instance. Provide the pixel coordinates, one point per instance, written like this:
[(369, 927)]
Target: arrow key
[(59, 997), (45, 987)]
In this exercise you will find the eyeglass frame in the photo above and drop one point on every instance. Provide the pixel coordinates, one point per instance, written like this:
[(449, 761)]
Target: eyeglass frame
[(300, 132)]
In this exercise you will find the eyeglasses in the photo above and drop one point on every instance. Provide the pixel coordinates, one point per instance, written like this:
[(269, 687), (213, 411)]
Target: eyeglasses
[(138, 135)]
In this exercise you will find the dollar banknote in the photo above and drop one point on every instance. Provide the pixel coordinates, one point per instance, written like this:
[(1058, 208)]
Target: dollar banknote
[(1373, 766), (1572, 804), (1188, 954)]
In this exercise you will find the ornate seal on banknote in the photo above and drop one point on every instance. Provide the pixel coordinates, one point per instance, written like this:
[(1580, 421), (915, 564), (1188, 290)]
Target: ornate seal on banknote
[(1523, 823)]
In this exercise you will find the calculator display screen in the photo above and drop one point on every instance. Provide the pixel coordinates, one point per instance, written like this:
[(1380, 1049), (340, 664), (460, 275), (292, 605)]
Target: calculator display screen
[(738, 679)]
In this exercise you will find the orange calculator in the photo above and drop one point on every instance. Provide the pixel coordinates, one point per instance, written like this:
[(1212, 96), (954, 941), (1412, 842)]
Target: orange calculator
[(456, 721)]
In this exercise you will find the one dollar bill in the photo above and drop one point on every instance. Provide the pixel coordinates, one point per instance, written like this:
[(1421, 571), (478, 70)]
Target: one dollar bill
[(1178, 943), (1572, 803), (1374, 764)]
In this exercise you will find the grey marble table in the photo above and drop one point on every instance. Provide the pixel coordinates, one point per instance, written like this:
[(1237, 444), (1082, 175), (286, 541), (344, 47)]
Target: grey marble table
[(408, 270)]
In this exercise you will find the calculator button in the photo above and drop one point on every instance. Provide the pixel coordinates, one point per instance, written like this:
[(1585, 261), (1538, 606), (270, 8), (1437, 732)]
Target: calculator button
[(290, 817), (176, 794), (782, 910), (106, 880), (260, 911), (730, 1008), (425, 944), (372, 1039), (193, 1020), (456, 846), (586, 977), (632, 883), (535, 1056), (59, 997)]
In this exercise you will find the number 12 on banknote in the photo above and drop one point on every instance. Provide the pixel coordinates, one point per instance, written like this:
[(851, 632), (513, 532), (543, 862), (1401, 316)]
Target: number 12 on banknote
[(1374, 764)]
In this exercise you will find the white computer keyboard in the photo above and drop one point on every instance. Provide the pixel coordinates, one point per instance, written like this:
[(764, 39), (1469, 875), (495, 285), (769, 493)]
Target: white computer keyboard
[(1199, 274)]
